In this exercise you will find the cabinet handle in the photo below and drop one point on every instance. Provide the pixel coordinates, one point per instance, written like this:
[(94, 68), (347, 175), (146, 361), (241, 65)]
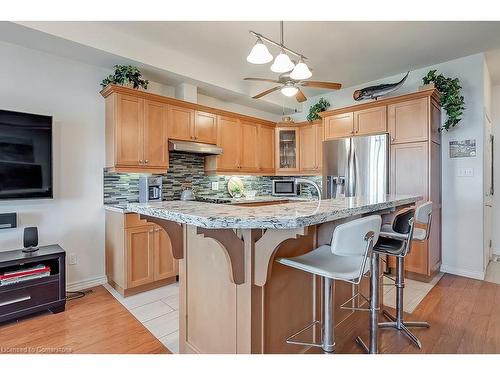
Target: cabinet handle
[(15, 300), (141, 162), (146, 161)]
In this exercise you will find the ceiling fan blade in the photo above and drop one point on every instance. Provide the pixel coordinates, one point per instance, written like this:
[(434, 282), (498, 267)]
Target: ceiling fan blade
[(261, 79), (322, 84), (266, 92), (300, 96)]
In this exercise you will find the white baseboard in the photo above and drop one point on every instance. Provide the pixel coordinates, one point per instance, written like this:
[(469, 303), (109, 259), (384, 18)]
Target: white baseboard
[(86, 284), (479, 275)]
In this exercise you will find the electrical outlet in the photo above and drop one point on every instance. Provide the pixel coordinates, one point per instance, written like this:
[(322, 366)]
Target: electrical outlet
[(215, 185), (73, 259)]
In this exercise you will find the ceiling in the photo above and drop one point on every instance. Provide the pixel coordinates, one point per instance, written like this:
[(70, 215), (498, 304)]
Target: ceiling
[(212, 54)]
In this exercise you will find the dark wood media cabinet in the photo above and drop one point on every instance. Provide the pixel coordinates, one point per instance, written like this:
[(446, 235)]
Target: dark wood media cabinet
[(27, 297)]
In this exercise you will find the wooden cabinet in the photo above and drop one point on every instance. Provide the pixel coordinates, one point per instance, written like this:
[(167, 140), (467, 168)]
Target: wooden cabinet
[(240, 142), (165, 265), (155, 135), (181, 123), (408, 120), (140, 247), (310, 148), (287, 150), (136, 134), (129, 135), (338, 126), (249, 161), (205, 127), (186, 124), (138, 254), (409, 169), (370, 121), (229, 138), (416, 169), (265, 149)]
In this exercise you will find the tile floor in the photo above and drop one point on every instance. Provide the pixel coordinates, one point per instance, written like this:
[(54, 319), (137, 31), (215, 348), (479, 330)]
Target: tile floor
[(157, 310), (414, 292), (493, 271)]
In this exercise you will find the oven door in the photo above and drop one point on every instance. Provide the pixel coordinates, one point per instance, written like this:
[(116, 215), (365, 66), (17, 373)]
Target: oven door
[(284, 187)]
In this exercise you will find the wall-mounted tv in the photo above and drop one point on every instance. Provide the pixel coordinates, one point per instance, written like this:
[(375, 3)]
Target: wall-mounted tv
[(25, 155)]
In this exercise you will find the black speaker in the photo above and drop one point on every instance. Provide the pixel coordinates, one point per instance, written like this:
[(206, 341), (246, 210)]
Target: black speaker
[(30, 239)]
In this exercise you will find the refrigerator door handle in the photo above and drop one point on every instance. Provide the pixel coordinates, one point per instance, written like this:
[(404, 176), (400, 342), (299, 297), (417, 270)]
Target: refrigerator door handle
[(354, 164), (347, 173)]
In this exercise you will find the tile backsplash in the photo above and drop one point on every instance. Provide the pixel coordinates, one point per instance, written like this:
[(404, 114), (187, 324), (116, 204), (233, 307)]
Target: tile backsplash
[(186, 172)]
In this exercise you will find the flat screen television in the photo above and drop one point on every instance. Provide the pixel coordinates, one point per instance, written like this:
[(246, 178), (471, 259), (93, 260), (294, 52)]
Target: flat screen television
[(25, 155)]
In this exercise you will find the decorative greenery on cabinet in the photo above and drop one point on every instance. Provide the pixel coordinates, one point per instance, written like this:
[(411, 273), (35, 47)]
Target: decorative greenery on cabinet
[(451, 98), (126, 75), (320, 106)]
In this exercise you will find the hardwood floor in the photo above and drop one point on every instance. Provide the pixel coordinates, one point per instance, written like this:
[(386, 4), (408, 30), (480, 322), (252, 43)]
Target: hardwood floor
[(464, 315), (96, 323)]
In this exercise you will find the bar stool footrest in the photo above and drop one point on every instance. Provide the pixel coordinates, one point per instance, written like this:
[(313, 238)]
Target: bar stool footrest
[(289, 339), (356, 307)]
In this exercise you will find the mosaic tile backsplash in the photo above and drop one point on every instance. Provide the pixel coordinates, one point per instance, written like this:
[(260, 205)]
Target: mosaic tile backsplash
[(186, 172)]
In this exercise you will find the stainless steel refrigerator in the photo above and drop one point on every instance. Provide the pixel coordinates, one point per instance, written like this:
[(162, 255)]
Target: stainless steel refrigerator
[(356, 166)]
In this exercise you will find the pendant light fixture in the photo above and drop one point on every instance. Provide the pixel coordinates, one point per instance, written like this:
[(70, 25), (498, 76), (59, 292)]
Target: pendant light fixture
[(259, 54), (282, 62), (301, 71)]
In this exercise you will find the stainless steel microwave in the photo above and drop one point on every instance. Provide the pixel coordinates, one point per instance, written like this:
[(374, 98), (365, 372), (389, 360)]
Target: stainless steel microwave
[(284, 187)]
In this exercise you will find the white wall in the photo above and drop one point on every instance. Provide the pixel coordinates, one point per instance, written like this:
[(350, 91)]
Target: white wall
[(69, 91), (462, 201), (37, 82)]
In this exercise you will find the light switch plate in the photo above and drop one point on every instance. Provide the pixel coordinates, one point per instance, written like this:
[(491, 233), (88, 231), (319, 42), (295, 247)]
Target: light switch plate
[(465, 172), (215, 185)]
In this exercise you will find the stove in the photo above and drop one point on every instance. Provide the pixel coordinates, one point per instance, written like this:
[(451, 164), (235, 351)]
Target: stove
[(213, 200)]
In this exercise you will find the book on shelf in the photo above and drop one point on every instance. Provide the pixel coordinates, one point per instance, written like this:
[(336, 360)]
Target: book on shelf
[(24, 274)]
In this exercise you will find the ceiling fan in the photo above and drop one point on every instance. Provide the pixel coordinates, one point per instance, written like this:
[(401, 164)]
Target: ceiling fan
[(291, 87)]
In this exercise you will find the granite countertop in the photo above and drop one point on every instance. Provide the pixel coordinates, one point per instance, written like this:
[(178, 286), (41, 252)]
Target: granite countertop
[(289, 215), (122, 207)]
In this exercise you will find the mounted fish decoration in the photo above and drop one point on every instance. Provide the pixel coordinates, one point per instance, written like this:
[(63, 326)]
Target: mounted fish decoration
[(374, 92)]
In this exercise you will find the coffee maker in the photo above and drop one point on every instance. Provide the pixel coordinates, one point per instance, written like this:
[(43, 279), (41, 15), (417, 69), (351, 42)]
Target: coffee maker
[(150, 189)]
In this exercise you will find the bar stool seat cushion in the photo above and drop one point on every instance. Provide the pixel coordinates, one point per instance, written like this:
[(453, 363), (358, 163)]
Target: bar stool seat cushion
[(389, 246), (418, 233), (322, 262)]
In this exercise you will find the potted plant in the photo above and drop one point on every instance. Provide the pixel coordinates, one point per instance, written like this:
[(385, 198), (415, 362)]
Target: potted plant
[(320, 106), (126, 75), (451, 97)]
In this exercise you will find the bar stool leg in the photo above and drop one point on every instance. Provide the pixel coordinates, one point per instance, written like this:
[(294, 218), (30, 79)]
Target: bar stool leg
[(398, 320), (328, 339), (374, 307)]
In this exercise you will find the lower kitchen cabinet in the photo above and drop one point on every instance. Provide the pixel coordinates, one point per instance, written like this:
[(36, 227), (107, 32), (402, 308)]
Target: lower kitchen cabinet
[(138, 254)]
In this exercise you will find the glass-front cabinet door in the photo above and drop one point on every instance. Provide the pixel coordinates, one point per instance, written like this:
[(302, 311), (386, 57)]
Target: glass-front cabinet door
[(287, 150)]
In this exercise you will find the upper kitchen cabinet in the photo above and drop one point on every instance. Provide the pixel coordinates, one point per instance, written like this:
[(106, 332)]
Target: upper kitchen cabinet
[(181, 123), (136, 134), (287, 150), (408, 121), (265, 149), (338, 126), (370, 121), (311, 147), (229, 139), (205, 127), (249, 158)]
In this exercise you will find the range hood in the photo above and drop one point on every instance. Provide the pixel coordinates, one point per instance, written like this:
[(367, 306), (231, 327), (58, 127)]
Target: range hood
[(194, 147)]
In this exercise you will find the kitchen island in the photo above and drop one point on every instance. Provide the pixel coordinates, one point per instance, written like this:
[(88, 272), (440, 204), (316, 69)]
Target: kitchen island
[(233, 297)]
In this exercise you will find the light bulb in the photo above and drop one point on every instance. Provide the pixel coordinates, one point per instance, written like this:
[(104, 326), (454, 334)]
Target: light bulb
[(301, 71), (289, 90), (259, 53), (282, 63)]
